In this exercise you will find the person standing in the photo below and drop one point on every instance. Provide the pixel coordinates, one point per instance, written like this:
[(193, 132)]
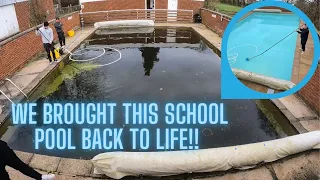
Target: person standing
[(58, 25), (9, 158), (304, 31), (47, 40)]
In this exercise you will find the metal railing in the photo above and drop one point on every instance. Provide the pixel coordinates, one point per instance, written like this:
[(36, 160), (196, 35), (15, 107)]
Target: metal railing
[(11, 82), (158, 15)]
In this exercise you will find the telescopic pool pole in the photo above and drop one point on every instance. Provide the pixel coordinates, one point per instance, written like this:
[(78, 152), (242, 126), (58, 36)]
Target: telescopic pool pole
[(247, 59)]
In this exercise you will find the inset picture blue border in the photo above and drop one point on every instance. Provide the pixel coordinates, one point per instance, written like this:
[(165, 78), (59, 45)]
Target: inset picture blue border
[(231, 87)]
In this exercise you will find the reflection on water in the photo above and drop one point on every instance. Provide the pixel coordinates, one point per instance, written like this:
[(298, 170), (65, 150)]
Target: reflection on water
[(183, 69), (149, 55)]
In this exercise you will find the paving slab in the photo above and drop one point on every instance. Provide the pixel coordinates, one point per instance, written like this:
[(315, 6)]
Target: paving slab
[(296, 106), (311, 125), (301, 167), (65, 177), (45, 163), (28, 73), (297, 125), (17, 175), (261, 173), (278, 104), (75, 167), (289, 115), (24, 156)]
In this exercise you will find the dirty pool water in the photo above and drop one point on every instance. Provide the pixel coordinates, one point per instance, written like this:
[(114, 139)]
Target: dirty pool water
[(158, 65)]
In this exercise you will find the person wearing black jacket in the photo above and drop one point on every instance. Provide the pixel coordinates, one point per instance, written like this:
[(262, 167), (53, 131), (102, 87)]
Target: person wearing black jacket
[(9, 158), (58, 25), (304, 31)]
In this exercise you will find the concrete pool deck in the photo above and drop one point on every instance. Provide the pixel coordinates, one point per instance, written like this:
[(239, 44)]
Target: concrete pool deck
[(302, 62), (34, 72), (301, 166)]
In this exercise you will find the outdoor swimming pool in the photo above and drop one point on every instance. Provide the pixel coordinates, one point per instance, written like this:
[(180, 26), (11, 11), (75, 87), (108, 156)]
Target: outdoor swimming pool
[(158, 65), (258, 32)]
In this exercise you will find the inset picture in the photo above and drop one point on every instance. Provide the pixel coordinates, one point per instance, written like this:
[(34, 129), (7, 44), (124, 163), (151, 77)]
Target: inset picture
[(270, 50)]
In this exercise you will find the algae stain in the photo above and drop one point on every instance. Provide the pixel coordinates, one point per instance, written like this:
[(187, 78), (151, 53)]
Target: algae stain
[(277, 120), (68, 72)]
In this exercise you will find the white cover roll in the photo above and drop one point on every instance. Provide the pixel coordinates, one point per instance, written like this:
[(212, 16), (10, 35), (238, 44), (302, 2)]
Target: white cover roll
[(119, 164), (134, 30), (278, 84), (124, 23), (268, 10)]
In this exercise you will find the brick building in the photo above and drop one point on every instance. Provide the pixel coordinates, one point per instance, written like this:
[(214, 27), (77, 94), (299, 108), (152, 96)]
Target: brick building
[(15, 15), (105, 5)]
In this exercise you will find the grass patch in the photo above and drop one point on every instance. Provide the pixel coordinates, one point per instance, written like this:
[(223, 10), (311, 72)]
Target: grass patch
[(228, 9)]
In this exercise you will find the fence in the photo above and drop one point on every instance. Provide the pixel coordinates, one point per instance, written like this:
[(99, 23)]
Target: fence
[(158, 15), (67, 10)]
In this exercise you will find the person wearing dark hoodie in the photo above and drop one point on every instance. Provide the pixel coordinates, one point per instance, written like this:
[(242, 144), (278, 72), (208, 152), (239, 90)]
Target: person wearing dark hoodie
[(9, 158), (58, 25), (304, 32)]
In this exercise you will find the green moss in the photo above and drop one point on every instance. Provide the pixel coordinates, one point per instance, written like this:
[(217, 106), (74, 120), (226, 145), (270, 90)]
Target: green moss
[(278, 121), (270, 117), (68, 72)]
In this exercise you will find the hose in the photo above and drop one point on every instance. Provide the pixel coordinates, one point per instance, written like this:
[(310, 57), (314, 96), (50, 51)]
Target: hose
[(90, 59)]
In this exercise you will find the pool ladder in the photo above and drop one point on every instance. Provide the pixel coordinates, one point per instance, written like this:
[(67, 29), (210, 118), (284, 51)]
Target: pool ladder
[(11, 82)]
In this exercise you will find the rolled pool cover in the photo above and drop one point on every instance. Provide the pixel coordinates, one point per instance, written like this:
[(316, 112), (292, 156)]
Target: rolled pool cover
[(124, 23), (271, 82), (268, 10), (134, 30), (120, 164)]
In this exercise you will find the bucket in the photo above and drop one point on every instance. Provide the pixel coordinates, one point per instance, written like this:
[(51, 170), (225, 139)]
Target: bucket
[(71, 33)]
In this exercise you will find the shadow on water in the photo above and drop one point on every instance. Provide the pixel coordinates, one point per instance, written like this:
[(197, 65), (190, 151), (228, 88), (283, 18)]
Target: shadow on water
[(163, 65)]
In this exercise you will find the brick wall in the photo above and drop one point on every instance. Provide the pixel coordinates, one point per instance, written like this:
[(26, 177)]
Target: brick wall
[(162, 4), (23, 13), (213, 21), (19, 49), (160, 16), (138, 4), (310, 92), (48, 6), (113, 5), (190, 5)]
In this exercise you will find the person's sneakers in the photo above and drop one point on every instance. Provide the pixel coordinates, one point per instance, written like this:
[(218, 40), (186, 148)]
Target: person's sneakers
[(48, 177), (302, 52), (50, 62), (55, 60), (300, 48)]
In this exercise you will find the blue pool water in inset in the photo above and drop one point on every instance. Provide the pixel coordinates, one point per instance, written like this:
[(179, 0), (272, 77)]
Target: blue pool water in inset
[(258, 32)]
